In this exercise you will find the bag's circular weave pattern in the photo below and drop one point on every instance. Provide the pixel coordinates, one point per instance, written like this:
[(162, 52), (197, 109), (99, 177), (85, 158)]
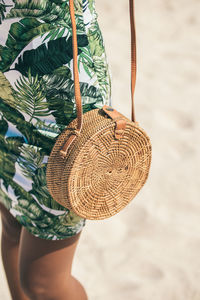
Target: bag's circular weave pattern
[(100, 174)]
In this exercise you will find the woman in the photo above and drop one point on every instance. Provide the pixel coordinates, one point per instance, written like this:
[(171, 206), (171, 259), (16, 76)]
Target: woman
[(39, 236)]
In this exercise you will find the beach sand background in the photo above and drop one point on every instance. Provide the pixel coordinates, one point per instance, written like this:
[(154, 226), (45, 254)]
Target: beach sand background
[(151, 250)]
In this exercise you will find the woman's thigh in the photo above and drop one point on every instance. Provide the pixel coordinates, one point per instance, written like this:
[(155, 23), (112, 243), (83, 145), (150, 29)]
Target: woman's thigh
[(11, 228), (45, 265)]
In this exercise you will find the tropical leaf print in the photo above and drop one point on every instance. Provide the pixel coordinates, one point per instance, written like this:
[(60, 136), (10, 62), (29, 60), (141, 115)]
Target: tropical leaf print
[(30, 96), (29, 131), (51, 129), (56, 34), (9, 151), (6, 91), (10, 113), (20, 35), (60, 95), (98, 55), (29, 160), (7, 201), (13, 144), (101, 71), (32, 211), (29, 8), (33, 4), (7, 166), (57, 12), (53, 12), (3, 7), (78, 6), (90, 5), (32, 166), (19, 191), (70, 219), (84, 58), (95, 40), (45, 59), (2, 10), (40, 191), (3, 126), (37, 101)]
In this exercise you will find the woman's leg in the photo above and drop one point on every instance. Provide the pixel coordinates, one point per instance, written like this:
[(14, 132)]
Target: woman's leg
[(45, 268), (10, 238)]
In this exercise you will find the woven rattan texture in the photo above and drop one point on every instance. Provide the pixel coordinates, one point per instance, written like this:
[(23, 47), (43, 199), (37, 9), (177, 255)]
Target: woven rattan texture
[(100, 175)]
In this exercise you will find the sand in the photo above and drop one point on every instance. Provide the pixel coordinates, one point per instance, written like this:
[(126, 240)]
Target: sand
[(151, 249)]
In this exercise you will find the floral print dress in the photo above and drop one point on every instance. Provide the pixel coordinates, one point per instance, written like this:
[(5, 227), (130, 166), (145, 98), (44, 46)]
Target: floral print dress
[(37, 102)]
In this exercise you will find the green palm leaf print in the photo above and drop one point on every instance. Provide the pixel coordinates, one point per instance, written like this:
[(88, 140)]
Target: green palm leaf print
[(3, 7), (37, 102), (29, 160), (49, 11), (27, 7), (30, 96), (6, 91), (95, 40), (7, 202), (32, 166), (46, 58), (9, 151), (3, 126), (27, 129), (60, 95), (40, 191), (20, 35)]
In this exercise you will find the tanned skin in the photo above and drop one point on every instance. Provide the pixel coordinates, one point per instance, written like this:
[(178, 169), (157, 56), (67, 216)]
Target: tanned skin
[(35, 268)]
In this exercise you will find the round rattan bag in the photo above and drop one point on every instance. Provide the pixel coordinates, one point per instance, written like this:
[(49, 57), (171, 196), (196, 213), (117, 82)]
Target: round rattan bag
[(101, 174), (101, 160)]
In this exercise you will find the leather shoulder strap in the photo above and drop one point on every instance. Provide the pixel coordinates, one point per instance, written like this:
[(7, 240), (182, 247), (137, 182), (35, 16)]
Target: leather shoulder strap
[(77, 92), (75, 65), (133, 55)]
